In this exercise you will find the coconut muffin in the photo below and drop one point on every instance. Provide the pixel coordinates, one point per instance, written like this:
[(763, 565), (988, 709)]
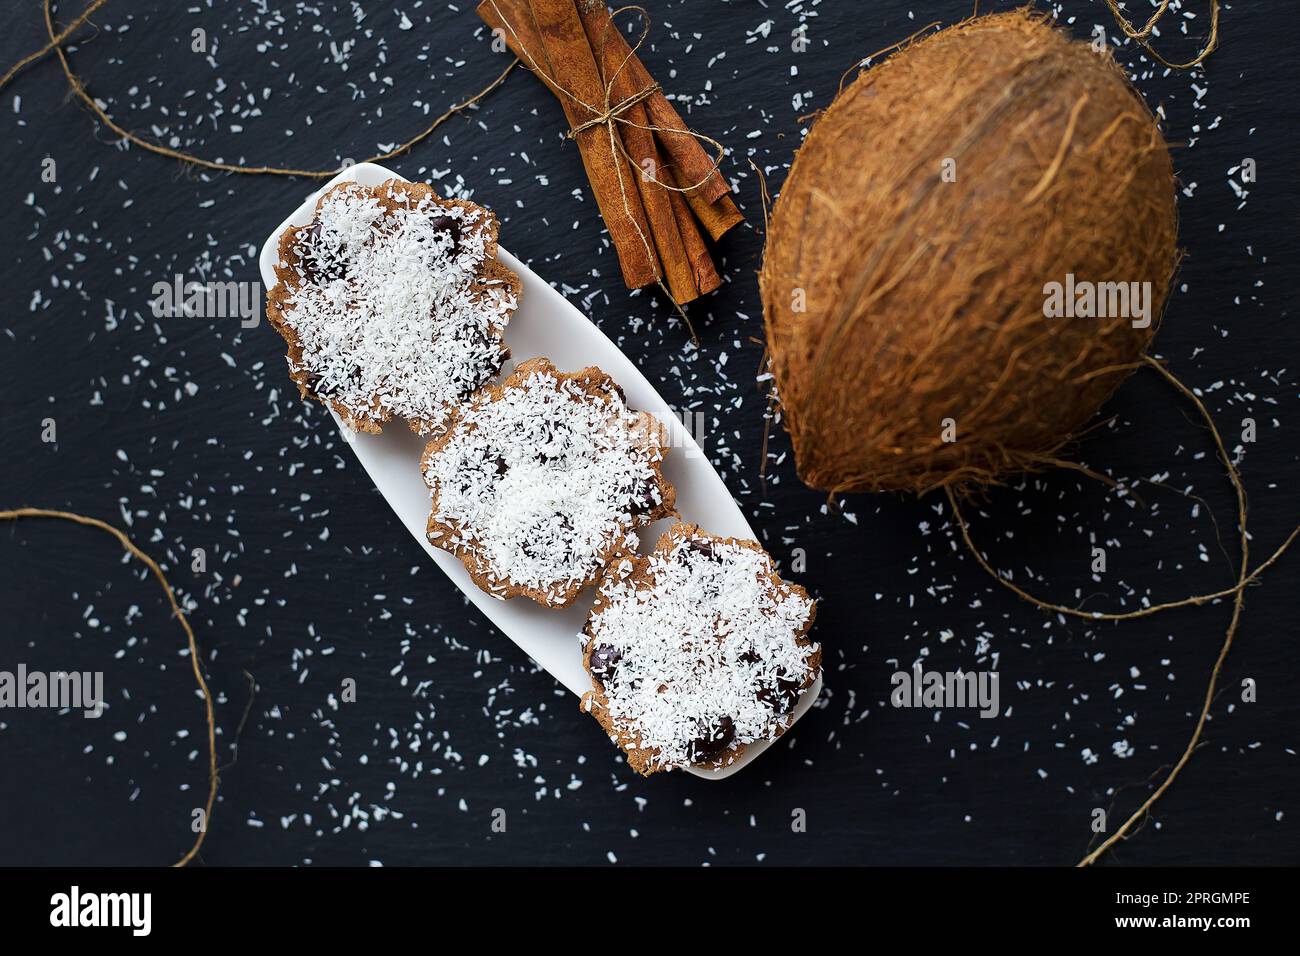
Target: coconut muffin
[(539, 481), (696, 651), (392, 303)]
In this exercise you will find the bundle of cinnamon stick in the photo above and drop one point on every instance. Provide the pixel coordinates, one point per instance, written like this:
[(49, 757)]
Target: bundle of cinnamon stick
[(658, 189)]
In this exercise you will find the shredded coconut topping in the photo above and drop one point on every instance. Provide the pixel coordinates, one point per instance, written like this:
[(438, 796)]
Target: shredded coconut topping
[(392, 315), (544, 482), (697, 654)]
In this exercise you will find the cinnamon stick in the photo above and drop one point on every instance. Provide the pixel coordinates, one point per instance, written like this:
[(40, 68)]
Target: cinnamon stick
[(706, 276), (682, 148), (674, 254), (717, 217), (547, 36), (639, 144)]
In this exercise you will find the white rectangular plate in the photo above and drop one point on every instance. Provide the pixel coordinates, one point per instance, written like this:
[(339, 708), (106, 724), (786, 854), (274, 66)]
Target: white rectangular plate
[(545, 324)]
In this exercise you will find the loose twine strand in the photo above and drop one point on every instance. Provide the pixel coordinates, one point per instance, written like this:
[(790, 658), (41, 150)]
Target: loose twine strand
[(1144, 34), (1244, 577), (16, 513), (31, 58), (78, 87)]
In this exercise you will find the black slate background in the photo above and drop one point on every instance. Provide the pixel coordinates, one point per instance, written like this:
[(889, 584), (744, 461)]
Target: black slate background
[(185, 429)]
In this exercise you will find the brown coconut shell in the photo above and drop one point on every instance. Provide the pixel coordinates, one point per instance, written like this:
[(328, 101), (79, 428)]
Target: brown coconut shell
[(923, 297)]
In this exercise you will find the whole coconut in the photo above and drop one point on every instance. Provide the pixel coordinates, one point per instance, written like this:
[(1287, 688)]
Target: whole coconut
[(913, 244)]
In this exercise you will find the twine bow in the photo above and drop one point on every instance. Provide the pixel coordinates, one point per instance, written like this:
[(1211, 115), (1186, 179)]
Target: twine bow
[(613, 113), (1143, 36)]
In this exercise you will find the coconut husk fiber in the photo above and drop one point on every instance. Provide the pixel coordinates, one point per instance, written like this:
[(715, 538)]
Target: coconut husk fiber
[(923, 298)]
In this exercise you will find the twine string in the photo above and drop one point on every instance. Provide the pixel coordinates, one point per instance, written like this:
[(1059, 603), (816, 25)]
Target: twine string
[(1143, 35), (16, 513), (54, 41), (614, 112), (1244, 577), (55, 45), (1132, 32)]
